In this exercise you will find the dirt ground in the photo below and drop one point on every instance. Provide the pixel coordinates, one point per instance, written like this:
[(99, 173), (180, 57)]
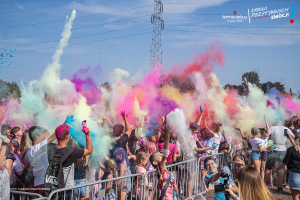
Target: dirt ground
[(285, 195)]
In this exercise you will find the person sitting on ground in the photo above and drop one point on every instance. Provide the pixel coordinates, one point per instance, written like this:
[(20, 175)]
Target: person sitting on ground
[(214, 177), (251, 186)]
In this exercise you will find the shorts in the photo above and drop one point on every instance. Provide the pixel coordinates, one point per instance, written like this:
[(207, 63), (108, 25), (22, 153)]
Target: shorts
[(275, 157), (84, 190), (255, 155), (294, 180), (263, 156)]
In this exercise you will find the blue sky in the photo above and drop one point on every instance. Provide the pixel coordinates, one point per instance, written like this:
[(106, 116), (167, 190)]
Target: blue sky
[(274, 57)]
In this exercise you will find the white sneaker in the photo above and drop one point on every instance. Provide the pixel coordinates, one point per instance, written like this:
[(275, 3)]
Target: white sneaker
[(287, 187)]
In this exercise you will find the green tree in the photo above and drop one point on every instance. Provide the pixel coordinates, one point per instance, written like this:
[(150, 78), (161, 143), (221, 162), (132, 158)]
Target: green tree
[(9, 90), (251, 77)]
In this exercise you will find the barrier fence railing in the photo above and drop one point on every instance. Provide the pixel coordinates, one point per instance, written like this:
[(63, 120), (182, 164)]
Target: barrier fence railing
[(17, 195), (189, 181)]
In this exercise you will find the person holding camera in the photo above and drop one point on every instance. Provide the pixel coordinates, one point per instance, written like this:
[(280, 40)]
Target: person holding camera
[(220, 179), (251, 186)]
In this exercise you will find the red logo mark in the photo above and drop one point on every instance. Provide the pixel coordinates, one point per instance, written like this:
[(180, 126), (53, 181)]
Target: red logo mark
[(234, 11)]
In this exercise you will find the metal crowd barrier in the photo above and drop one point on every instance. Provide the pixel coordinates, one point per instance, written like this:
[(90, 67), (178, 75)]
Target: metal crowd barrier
[(15, 193), (124, 187), (189, 180)]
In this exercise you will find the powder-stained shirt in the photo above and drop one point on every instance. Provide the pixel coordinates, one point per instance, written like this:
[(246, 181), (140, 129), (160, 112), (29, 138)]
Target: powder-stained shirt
[(277, 135), (38, 159)]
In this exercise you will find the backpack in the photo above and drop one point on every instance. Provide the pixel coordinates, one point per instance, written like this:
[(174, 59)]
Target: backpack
[(54, 178), (166, 184)]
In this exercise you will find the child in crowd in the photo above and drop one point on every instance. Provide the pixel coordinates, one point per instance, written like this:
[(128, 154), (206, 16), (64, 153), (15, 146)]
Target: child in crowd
[(238, 161), (141, 160), (228, 155), (109, 173), (263, 155)]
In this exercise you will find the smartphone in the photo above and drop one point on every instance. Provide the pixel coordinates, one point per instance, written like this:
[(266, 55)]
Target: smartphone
[(285, 132)]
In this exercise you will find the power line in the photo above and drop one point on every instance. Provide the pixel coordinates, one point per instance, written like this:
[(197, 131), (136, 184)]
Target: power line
[(231, 2), (78, 36), (76, 17), (42, 7), (234, 33), (87, 42), (138, 18), (77, 28), (231, 26)]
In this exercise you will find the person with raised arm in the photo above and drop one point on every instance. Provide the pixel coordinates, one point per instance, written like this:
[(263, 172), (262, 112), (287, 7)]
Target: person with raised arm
[(121, 134), (256, 147), (166, 179), (60, 171)]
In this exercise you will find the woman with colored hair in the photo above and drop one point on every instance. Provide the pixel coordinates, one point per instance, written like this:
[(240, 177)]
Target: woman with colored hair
[(121, 168), (251, 186), (292, 161), (142, 143), (121, 134)]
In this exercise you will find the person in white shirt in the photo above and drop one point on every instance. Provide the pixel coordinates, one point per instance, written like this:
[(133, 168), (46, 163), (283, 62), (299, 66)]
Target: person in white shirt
[(37, 155), (278, 154)]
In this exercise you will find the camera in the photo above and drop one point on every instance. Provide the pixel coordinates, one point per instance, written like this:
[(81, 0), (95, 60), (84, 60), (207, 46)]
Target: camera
[(222, 187)]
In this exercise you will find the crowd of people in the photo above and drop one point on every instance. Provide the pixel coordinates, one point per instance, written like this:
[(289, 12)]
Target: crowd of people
[(34, 160)]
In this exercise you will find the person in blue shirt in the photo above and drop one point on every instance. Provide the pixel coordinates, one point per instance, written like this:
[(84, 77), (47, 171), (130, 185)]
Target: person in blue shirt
[(214, 177)]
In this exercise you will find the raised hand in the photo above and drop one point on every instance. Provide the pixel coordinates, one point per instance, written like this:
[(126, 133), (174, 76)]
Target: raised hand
[(162, 118), (122, 114), (201, 109), (127, 114)]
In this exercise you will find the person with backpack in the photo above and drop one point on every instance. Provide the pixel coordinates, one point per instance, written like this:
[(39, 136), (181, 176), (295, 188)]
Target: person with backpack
[(60, 172), (166, 180)]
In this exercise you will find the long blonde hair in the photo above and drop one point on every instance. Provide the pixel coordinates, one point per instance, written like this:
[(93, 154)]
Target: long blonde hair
[(251, 186), (297, 142)]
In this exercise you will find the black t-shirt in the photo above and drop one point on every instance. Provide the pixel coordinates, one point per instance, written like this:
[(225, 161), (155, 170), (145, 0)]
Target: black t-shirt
[(292, 159), (77, 153), (122, 142)]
